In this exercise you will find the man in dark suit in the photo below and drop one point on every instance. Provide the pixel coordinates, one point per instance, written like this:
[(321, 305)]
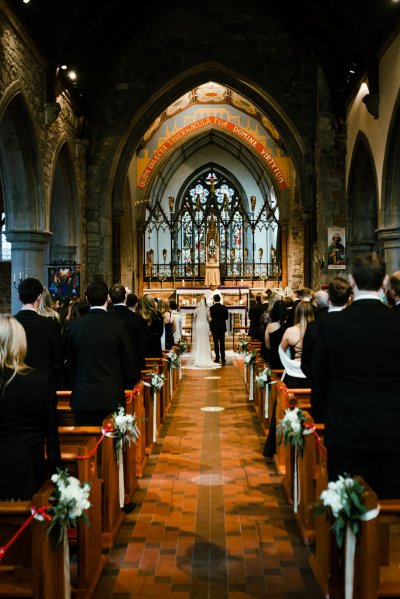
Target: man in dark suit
[(135, 325), (101, 359), (42, 334), (356, 382), (339, 292), (219, 316)]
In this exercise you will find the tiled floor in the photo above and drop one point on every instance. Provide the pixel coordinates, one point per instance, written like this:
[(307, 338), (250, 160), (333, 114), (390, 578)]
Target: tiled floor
[(211, 519)]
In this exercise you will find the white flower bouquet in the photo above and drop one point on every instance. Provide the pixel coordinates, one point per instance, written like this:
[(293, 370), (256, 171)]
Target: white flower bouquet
[(291, 428), (250, 359), (263, 378), (172, 359), (125, 430), (243, 346), (156, 381), (343, 500), (71, 500), (182, 346)]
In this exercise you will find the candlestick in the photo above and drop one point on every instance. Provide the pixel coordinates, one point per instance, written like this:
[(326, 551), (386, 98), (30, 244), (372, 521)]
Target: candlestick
[(14, 277)]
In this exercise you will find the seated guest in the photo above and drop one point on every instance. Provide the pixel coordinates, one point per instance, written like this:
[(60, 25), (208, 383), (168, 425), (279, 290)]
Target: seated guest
[(135, 325), (42, 334), (28, 417), (154, 321), (101, 360), (339, 292), (356, 382), (177, 318)]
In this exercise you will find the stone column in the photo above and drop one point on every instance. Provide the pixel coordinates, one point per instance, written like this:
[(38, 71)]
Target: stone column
[(307, 248), (116, 245), (389, 240), (284, 256), (28, 252)]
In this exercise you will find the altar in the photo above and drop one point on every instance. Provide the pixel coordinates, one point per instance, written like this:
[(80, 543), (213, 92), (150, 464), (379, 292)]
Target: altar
[(236, 299)]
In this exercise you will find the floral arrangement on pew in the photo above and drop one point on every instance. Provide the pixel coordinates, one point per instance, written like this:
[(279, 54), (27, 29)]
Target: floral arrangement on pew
[(290, 431), (155, 383), (249, 362), (173, 361), (125, 431), (182, 346), (71, 500), (263, 381), (243, 346), (343, 501)]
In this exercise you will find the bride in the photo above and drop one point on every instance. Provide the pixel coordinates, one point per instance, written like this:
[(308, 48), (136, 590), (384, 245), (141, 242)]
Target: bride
[(201, 350)]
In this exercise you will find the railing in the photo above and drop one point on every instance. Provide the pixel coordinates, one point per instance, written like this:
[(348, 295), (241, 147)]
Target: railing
[(196, 271)]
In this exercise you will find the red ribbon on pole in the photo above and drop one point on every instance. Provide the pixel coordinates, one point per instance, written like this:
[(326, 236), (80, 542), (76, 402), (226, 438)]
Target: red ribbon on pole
[(311, 428), (131, 395), (108, 429), (42, 511)]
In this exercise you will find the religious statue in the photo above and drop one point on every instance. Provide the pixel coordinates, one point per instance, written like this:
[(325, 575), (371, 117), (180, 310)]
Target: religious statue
[(212, 254)]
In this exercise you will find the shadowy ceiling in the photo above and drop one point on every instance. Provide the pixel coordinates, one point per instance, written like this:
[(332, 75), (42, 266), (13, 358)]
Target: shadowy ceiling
[(343, 35)]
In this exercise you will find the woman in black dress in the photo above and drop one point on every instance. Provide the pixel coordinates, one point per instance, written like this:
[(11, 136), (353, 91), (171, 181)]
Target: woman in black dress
[(28, 417), (154, 320)]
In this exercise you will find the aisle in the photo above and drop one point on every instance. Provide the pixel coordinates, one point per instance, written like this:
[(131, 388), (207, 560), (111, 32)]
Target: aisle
[(211, 519)]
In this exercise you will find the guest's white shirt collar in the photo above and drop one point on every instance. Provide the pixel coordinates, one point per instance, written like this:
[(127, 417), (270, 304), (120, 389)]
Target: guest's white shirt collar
[(362, 295), (98, 308), (120, 304), (335, 309)]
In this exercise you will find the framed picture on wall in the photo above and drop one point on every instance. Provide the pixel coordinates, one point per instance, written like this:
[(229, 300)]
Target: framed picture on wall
[(336, 251), (64, 280)]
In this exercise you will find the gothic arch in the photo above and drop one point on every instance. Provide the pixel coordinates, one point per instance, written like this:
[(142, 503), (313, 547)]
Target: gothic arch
[(391, 173), (362, 199), (64, 243), (20, 171)]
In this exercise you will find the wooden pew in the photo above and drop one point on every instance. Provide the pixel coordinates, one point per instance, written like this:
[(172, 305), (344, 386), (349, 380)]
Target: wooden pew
[(31, 567), (137, 407), (287, 398), (111, 513), (377, 558)]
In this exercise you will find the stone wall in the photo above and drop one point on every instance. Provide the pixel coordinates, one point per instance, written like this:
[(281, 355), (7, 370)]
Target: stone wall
[(5, 288)]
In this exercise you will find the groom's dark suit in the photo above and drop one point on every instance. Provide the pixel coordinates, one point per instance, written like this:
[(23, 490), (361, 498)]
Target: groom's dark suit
[(356, 393), (219, 315)]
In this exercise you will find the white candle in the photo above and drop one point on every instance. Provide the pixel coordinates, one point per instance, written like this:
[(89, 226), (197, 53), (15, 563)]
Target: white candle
[(14, 277), (183, 282), (20, 277), (241, 281)]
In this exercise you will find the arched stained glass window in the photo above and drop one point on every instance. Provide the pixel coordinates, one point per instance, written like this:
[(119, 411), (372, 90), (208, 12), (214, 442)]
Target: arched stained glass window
[(5, 245)]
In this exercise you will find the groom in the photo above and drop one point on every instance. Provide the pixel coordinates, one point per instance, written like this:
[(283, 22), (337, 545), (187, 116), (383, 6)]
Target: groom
[(219, 314)]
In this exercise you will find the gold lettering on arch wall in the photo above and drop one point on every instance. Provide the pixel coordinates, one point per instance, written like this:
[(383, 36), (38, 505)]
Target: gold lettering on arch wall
[(217, 122)]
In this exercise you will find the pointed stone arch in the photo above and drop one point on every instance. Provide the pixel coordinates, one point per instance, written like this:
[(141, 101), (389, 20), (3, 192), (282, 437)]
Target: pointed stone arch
[(362, 200), (64, 218)]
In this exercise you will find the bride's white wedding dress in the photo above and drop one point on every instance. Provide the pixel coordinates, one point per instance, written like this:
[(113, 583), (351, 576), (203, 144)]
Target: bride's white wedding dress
[(201, 350)]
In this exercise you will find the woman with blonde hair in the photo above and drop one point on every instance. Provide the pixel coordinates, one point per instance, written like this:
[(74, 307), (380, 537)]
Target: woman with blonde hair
[(154, 321), (45, 307), (28, 416)]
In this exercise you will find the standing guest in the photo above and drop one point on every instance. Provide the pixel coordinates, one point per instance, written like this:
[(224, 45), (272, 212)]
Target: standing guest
[(28, 418), (101, 360), (219, 315), (255, 313), (76, 309), (45, 307), (394, 290), (167, 339), (339, 292), (43, 336), (265, 319), (274, 334), (132, 302), (135, 325), (321, 301), (292, 344), (155, 325), (356, 382), (177, 318)]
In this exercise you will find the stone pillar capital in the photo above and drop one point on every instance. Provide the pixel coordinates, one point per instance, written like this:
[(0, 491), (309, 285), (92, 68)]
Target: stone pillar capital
[(389, 237), (28, 239)]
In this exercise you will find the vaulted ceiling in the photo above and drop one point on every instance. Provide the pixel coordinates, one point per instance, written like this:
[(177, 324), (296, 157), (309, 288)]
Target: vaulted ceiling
[(345, 36)]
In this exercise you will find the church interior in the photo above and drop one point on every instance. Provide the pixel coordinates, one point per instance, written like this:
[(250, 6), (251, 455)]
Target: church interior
[(179, 148)]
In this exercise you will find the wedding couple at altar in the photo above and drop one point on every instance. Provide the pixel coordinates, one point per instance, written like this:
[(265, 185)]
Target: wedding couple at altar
[(205, 320)]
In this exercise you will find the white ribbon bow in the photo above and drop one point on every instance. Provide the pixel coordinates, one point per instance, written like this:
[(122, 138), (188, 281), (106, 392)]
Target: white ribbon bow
[(350, 552)]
